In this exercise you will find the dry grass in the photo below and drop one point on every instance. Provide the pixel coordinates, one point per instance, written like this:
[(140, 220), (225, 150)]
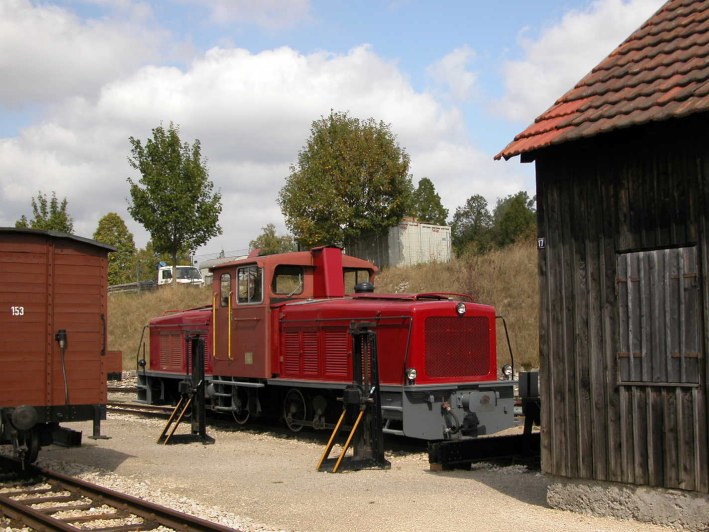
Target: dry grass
[(129, 312), (505, 279)]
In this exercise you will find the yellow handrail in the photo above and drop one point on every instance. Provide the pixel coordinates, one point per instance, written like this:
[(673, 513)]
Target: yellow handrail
[(229, 327), (214, 325)]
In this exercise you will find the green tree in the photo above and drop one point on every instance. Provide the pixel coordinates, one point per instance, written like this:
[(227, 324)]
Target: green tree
[(471, 226), (269, 243), (514, 218), (48, 214), (173, 198), (426, 203), (112, 230), (351, 179)]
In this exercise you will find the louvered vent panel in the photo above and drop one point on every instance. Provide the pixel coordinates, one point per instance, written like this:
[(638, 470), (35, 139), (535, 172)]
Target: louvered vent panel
[(291, 357), (171, 350), (457, 346), (310, 353), (337, 345)]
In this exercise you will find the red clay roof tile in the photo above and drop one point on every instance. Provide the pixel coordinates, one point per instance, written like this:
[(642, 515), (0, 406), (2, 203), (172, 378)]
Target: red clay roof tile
[(660, 72)]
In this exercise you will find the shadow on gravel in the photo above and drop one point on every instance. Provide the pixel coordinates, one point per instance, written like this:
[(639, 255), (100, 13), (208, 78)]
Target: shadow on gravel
[(89, 456), (520, 480)]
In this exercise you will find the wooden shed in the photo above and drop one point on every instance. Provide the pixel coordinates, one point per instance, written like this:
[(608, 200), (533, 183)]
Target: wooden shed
[(622, 169)]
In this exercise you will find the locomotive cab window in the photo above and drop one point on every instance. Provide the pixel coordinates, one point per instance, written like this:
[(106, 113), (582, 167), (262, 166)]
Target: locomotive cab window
[(287, 280), (250, 289), (224, 289), (353, 277)]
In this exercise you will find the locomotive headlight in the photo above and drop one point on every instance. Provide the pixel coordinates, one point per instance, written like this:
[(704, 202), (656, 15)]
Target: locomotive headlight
[(507, 371), (411, 375), (460, 308)]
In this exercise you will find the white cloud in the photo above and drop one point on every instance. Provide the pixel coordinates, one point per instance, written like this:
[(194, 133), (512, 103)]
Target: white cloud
[(252, 114), (452, 73), (468, 171), (270, 14), (48, 53), (564, 53)]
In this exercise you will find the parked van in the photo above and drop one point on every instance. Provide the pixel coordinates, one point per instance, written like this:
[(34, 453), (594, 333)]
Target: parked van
[(184, 275)]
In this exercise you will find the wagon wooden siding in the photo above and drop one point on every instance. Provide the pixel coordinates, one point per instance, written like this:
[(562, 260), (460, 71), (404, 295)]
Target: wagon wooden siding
[(624, 306), (50, 282), (23, 320)]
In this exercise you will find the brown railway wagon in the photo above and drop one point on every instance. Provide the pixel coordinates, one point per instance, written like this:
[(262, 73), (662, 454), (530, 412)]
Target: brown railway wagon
[(53, 297)]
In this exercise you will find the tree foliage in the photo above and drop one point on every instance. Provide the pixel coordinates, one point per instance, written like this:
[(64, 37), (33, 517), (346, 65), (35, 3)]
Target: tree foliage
[(471, 225), (269, 243), (48, 214), (173, 198), (351, 179), (514, 218), (112, 230), (426, 204), (474, 229)]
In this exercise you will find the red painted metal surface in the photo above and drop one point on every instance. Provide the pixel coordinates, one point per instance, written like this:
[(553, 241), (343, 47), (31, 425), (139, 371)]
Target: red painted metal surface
[(428, 336), (659, 73), (169, 350)]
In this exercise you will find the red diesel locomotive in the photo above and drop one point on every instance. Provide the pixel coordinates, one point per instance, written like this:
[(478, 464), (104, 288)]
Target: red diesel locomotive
[(277, 339)]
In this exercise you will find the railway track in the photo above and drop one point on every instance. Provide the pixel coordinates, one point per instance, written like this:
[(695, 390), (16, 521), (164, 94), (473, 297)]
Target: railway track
[(123, 389), (124, 407), (45, 500)]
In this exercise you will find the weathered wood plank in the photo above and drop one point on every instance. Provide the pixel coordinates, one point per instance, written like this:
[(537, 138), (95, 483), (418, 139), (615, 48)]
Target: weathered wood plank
[(626, 385)]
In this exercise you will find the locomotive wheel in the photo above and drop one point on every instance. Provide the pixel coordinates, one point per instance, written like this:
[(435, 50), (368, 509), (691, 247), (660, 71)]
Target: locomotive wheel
[(240, 404), (27, 446), (294, 409)]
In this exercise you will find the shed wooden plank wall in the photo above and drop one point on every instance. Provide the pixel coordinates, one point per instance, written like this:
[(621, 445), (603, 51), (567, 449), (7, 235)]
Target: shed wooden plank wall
[(624, 302)]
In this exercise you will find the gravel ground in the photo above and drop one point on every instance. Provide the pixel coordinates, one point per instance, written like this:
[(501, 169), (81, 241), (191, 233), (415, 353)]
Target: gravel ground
[(264, 481)]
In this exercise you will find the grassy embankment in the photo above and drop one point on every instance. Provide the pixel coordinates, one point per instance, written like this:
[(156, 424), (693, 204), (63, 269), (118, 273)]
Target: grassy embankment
[(505, 279)]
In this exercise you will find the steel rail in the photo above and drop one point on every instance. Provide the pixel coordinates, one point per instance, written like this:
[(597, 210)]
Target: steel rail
[(152, 514)]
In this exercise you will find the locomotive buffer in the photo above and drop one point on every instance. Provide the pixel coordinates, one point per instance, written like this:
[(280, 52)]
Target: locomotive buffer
[(191, 396), (361, 403)]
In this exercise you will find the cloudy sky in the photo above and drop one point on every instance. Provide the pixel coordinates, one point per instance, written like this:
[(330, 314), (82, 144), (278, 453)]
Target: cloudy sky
[(455, 81)]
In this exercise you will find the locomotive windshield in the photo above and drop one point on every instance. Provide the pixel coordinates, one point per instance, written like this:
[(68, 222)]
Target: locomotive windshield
[(354, 276), (250, 288), (287, 280)]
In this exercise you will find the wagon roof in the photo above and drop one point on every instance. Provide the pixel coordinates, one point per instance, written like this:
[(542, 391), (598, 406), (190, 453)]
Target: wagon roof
[(55, 234), (660, 72)]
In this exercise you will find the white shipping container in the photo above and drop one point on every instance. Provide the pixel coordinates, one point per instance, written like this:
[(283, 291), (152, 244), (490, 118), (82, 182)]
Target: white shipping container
[(406, 244)]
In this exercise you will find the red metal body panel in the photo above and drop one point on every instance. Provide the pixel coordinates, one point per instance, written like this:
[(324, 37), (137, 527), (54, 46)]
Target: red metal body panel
[(168, 347), (52, 282), (426, 335)]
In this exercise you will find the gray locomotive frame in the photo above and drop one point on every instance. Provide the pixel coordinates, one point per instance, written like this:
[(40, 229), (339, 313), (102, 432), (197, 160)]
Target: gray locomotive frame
[(438, 412)]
